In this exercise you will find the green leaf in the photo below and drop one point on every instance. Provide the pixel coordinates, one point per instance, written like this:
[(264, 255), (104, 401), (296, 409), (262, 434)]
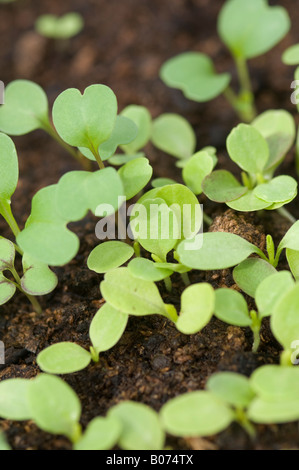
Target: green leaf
[(279, 130), (135, 175), (291, 55), (249, 203), (95, 113), (109, 255), (265, 412), (124, 132), (293, 260), (131, 295), (71, 202), (9, 168), (250, 29), (197, 307), (222, 186), (195, 414), (120, 159), (63, 27), (148, 270), (270, 290), (231, 307), (284, 319), (7, 289), (39, 280), (196, 169), (25, 110), (63, 358), (100, 434), (195, 75), (13, 399), (141, 428), (276, 383), (291, 239), (232, 388), (220, 250), (102, 189), (7, 254), (54, 406), (3, 442), (250, 273), (281, 189), (248, 148), (107, 328), (174, 135), (160, 182), (142, 118)]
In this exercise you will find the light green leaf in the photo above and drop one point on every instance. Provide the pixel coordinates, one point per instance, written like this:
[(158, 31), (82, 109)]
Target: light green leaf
[(3, 442), (160, 182), (265, 412), (285, 320), (9, 168), (232, 388), (95, 113), (100, 434), (196, 414), (231, 307), (107, 328), (39, 280), (222, 186), (131, 295), (63, 27), (250, 29), (291, 55), (7, 254), (174, 135), (293, 260), (196, 169), (141, 428), (7, 289), (109, 255), (281, 189), (291, 239), (148, 270), (276, 383), (120, 159), (142, 118), (13, 399), (248, 148), (71, 202), (54, 406), (250, 273), (270, 290), (220, 250), (63, 358), (25, 110), (135, 175), (249, 203), (195, 75), (197, 307), (104, 192)]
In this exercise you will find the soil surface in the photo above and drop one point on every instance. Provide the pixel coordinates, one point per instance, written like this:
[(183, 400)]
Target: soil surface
[(123, 45)]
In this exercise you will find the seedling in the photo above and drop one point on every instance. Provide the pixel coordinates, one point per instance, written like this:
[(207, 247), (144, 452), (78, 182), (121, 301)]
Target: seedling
[(64, 27), (105, 331), (37, 278), (204, 413), (258, 150), (213, 256), (248, 29)]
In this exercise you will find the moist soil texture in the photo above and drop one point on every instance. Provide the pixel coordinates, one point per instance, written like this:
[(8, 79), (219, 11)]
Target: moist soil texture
[(123, 45)]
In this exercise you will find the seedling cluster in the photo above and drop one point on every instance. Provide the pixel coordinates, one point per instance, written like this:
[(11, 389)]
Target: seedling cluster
[(112, 149)]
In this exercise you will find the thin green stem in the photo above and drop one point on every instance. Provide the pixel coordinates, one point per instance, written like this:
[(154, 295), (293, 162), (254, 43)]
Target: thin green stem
[(99, 160), (34, 302), (243, 420), (207, 219), (255, 328), (168, 284), (286, 214), (5, 211), (185, 278), (95, 356)]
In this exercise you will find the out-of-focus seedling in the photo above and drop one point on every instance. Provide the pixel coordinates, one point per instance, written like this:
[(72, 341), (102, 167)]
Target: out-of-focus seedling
[(64, 27)]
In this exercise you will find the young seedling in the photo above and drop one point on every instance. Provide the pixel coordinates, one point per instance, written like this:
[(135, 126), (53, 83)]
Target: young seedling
[(37, 278), (213, 256), (257, 149), (26, 109), (276, 400), (105, 331), (248, 29), (64, 27)]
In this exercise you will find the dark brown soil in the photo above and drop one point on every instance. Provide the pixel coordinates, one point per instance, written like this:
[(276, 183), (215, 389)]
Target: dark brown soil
[(123, 45)]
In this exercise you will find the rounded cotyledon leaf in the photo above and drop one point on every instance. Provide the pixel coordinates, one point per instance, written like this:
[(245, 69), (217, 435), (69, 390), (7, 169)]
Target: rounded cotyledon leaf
[(63, 358), (9, 168), (100, 434), (39, 280), (7, 289), (284, 318), (280, 189), (222, 186), (196, 414), (220, 250), (13, 399), (231, 307), (197, 307), (7, 254), (54, 406), (232, 388), (141, 427), (196, 169), (174, 135), (250, 29), (63, 27), (148, 270), (109, 255), (250, 273), (195, 75), (107, 328), (135, 175), (275, 382), (95, 113), (249, 202), (25, 109), (291, 55), (143, 120)]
